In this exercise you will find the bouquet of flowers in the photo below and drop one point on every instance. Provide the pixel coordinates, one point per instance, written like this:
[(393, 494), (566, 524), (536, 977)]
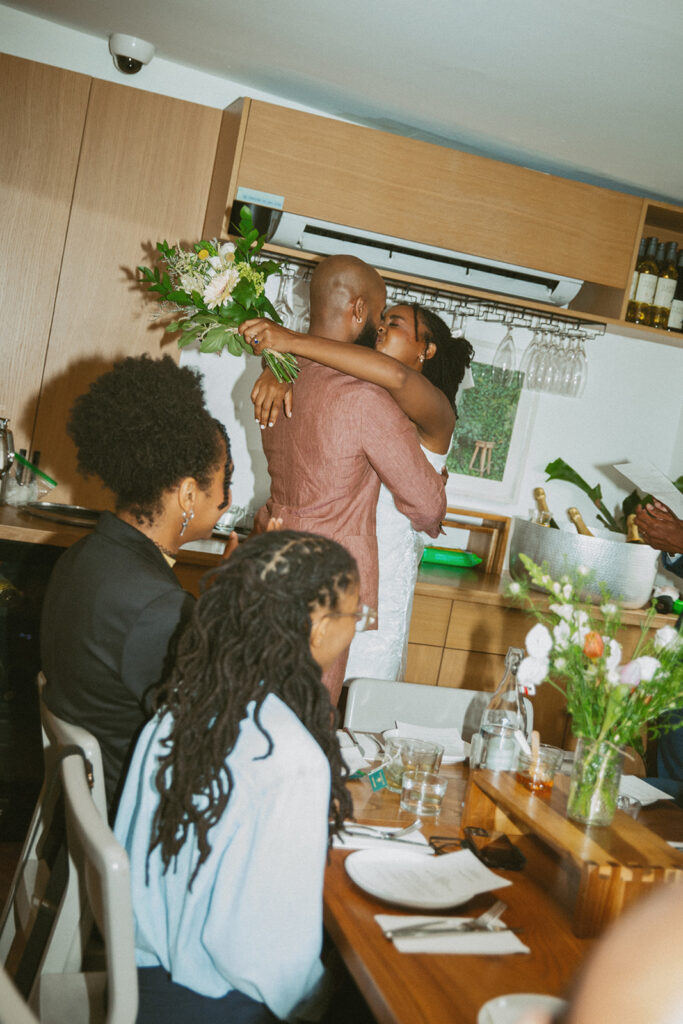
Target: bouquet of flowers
[(215, 287), (610, 701)]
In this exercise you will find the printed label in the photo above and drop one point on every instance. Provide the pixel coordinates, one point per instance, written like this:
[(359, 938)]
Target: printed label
[(664, 292), (645, 292), (377, 778), (253, 195), (676, 315)]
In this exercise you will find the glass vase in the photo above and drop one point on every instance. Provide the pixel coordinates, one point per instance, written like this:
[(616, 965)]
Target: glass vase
[(594, 785)]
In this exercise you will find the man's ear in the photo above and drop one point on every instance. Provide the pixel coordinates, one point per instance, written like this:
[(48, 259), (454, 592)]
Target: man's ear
[(359, 309)]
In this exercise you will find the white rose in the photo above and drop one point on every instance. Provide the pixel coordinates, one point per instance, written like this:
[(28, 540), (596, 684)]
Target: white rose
[(613, 656), (539, 641), (665, 637), (648, 667), (532, 672)]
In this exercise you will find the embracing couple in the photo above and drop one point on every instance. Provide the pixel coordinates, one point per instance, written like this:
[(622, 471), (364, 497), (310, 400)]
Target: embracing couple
[(359, 452)]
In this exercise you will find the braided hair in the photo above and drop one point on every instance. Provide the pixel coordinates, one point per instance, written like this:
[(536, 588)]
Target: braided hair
[(446, 369), (249, 636)]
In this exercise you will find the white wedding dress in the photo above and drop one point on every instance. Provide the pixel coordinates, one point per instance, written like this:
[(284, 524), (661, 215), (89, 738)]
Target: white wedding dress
[(381, 653)]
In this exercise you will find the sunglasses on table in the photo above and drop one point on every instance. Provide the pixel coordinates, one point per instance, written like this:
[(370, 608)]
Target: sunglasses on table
[(494, 851)]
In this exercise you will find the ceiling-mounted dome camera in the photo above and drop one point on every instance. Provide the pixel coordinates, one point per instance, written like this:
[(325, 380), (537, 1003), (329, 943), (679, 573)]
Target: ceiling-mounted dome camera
[(129, 53)]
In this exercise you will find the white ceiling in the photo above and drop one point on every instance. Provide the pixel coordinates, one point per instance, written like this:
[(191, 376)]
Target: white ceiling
[(592, 89)]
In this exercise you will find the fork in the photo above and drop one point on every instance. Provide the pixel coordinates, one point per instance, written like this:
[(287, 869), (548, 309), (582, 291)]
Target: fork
[(476, 924), (383, 833)]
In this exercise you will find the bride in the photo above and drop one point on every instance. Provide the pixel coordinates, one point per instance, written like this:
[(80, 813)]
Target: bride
[(421, 365)]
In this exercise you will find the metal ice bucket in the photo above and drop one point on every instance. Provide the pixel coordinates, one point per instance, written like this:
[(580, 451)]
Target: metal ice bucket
[(626, 570)]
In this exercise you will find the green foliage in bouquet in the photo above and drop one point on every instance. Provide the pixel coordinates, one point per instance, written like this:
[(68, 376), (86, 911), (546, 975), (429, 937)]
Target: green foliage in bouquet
[(215, 287)]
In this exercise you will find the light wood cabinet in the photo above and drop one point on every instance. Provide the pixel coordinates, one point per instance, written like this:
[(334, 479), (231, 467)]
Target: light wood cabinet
[(381, 182), (95, 175)]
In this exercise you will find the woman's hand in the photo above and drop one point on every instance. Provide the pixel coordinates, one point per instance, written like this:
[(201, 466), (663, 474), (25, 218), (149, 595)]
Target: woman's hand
[(269, 396), (263, 333)]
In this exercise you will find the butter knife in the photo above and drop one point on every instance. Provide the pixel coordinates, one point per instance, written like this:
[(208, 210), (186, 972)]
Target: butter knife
[(433, 928)]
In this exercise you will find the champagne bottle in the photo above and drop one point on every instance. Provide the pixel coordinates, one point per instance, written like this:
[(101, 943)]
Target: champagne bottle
[(578, 522), (544, 517), (648, 274), (676, 314), (666, 287), (631, 308), (632, 532)]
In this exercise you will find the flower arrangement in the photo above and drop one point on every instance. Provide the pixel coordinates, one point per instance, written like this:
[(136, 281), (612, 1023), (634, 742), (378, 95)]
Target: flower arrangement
[(610, 701), (216, 286)]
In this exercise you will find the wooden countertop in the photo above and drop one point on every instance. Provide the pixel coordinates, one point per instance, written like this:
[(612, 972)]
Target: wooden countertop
[(20, 526), (462, 584)]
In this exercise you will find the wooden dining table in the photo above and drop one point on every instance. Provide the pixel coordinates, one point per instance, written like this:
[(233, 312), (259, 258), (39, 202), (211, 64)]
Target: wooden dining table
[(410, 988)]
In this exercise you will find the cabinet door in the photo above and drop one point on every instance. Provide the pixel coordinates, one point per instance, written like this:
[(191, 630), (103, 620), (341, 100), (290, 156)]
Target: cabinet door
[(42, 114), (143, 175)]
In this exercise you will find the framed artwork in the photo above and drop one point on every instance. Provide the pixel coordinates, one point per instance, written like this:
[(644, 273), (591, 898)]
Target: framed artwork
[(491, 437)]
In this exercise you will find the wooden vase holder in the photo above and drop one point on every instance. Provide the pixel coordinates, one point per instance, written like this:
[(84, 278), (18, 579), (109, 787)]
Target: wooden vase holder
[(593, 872)]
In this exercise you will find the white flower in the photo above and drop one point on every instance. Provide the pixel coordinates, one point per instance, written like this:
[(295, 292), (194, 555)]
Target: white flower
[(613, 677), (227, 251), (667, 637), (609, 609), (561, 636), (532, 672), (565, 611), (557, 589), (648, 667), (582, 570), (539, 641), (191, 283), (560, 664), (613, 655), (514, 588), (567, 591), (630, 674), (219, 288), (545, 580)]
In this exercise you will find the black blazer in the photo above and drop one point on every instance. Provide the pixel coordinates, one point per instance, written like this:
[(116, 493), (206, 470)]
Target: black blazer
[(112, 607)]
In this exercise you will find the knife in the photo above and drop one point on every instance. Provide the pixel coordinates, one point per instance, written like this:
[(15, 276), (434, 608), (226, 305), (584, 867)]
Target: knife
[(433, 928)]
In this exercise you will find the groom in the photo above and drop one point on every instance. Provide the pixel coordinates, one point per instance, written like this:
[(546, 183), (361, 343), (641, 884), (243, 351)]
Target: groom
[(326, 463)]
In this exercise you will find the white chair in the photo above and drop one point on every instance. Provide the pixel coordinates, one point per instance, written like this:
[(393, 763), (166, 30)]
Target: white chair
[(32, 902), (13, 1009), (373, 705), (99, 876)]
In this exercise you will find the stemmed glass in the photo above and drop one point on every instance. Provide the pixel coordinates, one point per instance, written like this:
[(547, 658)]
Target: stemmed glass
[(505, 359), (529, 359)]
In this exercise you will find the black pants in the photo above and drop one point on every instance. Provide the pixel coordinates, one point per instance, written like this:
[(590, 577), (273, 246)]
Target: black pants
[(162, 1001)]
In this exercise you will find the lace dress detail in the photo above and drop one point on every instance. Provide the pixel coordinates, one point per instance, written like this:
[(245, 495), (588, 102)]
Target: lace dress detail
[(381, 653)]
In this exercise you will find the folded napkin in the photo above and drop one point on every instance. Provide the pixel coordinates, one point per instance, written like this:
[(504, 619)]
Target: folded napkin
[(455, 748), (415, 842), (631, 785), (352, 756), (466, 943)]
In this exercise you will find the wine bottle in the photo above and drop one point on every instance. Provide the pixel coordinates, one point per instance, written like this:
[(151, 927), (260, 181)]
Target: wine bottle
[(676, 314), (666, 287), (578, 522), (648, 274), (544, 516), (632, 532), (631, 308)]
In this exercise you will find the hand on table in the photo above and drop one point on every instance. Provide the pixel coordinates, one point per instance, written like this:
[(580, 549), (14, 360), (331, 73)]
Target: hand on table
[(659, 527)]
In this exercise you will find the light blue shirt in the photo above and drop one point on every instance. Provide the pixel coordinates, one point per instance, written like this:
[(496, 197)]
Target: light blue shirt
[(253, 920)]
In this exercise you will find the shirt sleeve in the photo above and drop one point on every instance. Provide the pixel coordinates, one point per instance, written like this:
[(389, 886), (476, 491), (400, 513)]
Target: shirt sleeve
[(391, 445), (673, 562), (263, 930), (150, 645)]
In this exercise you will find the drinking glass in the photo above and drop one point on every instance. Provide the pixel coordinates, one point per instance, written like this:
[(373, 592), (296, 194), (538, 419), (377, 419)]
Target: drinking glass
[(402, 753), (422, 793), (505, 359)]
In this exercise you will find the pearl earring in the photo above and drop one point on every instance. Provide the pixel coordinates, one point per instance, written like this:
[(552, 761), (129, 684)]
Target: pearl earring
[(186, 519)]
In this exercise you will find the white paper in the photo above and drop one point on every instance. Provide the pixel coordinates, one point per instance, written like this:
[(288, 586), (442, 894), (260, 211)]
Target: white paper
[(631, 785), (355, 841), (650, 480), (468, 943)]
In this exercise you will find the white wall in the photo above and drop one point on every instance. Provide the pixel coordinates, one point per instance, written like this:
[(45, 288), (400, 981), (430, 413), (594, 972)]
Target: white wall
[(631, 407)]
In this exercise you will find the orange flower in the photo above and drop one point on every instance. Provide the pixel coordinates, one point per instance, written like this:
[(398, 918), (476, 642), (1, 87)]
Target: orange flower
[(593, 645)]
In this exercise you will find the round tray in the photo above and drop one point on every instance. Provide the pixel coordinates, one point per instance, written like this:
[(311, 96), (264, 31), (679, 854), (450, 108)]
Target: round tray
[(70, 515)]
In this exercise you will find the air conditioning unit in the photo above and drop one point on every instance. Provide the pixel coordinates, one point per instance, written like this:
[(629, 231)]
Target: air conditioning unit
[(418, 260)]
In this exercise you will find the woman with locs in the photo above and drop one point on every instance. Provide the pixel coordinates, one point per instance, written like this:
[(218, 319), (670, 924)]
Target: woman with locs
[(421, 365), (235, 788)]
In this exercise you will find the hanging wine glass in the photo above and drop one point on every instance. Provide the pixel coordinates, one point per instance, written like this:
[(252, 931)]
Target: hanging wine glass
[(527, 365), (505, 359)]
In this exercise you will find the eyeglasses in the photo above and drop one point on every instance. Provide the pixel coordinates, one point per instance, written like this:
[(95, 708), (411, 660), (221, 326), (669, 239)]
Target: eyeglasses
[(366, 617)]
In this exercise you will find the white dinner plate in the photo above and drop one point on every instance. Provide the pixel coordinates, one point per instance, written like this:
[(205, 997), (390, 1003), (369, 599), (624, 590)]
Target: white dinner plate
[(409, 879), (508, 1009), (450, 756)]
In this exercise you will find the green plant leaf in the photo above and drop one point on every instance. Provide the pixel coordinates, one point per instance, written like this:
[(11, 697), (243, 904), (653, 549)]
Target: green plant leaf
[(234, 345), (561, 470)]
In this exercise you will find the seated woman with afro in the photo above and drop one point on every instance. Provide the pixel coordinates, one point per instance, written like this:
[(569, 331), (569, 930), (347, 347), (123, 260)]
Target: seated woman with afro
[(113, 604)]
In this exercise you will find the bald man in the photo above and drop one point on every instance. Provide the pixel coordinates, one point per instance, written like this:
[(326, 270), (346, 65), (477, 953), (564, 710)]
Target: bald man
[(326, 463)]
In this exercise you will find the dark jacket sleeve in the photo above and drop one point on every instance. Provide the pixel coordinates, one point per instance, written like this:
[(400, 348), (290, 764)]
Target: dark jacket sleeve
[(152, 641)]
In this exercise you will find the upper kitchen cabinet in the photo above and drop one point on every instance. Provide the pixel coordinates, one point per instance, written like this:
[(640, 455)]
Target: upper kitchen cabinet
[(360, 177), (143, 175), (42, 117)]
